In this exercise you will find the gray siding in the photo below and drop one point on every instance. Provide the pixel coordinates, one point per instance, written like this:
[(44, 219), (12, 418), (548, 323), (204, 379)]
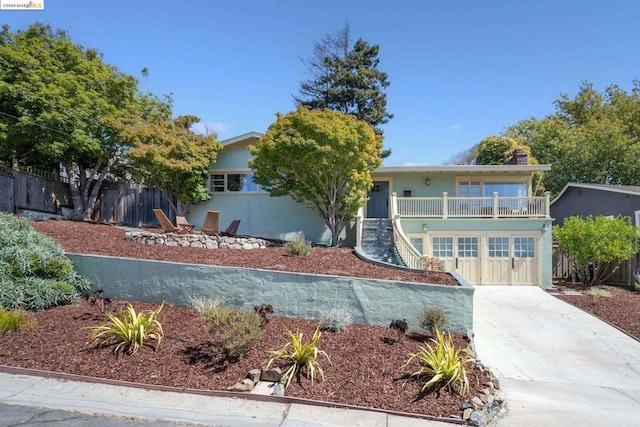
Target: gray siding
[(587, 201)]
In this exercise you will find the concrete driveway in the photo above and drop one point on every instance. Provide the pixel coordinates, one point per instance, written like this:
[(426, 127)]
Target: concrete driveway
[(557, 365)]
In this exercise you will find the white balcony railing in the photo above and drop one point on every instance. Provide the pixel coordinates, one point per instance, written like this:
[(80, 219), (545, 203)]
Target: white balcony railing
[(471, 207)]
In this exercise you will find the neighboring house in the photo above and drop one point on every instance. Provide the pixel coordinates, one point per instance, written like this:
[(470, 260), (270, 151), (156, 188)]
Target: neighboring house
[(480, 221), (600, 199)]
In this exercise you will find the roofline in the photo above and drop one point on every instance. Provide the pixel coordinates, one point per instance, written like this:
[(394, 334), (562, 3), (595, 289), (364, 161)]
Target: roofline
[(465, 168), (594, 187), (240, 140)]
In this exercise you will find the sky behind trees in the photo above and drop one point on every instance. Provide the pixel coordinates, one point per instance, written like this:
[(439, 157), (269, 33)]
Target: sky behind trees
[(459, 71)]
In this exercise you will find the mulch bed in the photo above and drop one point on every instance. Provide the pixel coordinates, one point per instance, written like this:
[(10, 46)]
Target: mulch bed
[(101, 239), (365, 369), (366, 361), (622, 309)]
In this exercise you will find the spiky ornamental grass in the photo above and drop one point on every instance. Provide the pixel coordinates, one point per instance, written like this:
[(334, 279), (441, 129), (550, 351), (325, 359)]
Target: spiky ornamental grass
[(34, 272)]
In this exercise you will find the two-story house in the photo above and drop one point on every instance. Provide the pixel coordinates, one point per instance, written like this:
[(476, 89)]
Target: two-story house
[(480, 221)]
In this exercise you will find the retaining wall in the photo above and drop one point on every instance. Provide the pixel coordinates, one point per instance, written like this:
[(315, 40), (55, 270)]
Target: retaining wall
[(374, 302)]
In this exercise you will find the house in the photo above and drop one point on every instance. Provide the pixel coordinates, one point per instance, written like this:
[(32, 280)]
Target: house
[(600, 199), (480, 221)]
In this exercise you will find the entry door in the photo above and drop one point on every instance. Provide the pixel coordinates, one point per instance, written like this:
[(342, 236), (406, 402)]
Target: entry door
[(378, 203), (524, 261)]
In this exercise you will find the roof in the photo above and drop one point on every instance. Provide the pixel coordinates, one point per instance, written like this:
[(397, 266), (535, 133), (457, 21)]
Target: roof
[(465, 168), (624, 189), (241, 140)]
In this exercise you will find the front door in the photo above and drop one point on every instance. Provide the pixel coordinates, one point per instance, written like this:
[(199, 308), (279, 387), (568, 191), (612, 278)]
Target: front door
[(378, 203)]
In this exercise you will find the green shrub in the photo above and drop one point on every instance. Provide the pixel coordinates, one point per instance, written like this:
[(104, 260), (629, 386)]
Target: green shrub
[(12, 320), (302, 355), (433, 318), (298, 247), (442, 364), (636, 283), (34, 273), (233, 329), (204, 304), (336, 319), (128, 330)]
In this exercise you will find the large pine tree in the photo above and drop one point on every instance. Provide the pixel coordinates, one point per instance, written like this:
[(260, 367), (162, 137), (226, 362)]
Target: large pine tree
[(346, 80)]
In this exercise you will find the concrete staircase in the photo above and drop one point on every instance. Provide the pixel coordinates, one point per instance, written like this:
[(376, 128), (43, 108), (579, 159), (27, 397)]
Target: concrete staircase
[(377, 240)]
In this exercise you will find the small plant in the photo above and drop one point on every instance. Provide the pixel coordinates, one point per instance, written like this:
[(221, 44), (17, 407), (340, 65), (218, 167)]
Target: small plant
[(400, 325), (336, 319), (97, 299), (433, 318), (443, 364), (302, 355), (263, 310), (233, 329), (596, 293), (297, 247), (636, 283), (431, 264), (128, 330), (204, 304), (12, 320)]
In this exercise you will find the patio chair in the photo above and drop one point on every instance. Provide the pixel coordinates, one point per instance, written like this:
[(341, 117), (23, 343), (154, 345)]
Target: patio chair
[(211, 221), (232, 229), (165, 222), (184, 225)]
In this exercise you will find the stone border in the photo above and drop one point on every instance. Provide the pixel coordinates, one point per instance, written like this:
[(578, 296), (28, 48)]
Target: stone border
[(195, 240)]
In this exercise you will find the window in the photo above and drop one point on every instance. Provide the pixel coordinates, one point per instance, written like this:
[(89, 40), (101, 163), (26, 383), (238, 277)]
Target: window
[(233, 182), (417, 244), (443, 247), (469, 189), (524, 247), (498, 247), (487, 188), (467, 247)]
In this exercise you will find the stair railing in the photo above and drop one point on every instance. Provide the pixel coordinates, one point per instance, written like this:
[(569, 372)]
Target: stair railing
[(408, 254)]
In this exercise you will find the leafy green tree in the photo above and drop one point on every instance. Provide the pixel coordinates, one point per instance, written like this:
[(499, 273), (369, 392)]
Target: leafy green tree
[(602, 242), (166, 154), (591, 138), (320, 158), (59, 105), (347, 80)]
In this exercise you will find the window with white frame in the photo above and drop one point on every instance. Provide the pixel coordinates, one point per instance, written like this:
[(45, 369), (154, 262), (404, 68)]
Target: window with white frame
[(442, 247), (416, 242), (233, 182), (498, 247), (469, 188)]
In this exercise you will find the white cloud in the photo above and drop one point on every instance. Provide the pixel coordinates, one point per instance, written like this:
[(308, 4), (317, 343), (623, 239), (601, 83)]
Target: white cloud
[(456, 128), (207, 128)]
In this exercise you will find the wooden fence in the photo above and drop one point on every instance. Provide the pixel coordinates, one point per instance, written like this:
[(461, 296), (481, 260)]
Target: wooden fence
[(623, 276), (32, 190)]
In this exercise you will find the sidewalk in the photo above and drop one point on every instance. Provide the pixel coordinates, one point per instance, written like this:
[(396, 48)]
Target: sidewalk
[(557, 365), (172, 407)]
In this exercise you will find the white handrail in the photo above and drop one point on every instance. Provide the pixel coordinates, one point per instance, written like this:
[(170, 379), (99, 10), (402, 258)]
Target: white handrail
[(471, 207)]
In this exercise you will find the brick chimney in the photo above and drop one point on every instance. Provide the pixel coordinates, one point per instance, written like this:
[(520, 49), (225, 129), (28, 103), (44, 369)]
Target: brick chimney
[(519, 157)]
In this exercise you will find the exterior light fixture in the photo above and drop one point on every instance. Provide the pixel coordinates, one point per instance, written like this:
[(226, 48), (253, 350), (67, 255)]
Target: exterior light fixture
[(424, 228), (545, 227), (427, 181)]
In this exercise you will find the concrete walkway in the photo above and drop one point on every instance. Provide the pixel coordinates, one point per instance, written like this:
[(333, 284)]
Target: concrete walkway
[(557, 365), (65, 402)]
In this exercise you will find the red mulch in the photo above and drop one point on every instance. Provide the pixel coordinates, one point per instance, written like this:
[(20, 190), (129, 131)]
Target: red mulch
[(622, 309), (366, 361), (101, 239)]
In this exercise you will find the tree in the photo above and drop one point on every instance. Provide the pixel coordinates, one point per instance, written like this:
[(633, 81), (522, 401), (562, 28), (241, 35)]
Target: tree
[(320, 158), (596, 246), (166, 154), (347, 80), (592, 138), (59, 105)]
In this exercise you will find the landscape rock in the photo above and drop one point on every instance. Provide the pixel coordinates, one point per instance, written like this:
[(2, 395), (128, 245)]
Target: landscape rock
[(195, 240), (254, 375), (477, 419), (273, 375)]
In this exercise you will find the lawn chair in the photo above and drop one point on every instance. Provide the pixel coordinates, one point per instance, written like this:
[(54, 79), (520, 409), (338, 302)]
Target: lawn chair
[(232, 229), (165, 222), (184, 225), (211, 222)]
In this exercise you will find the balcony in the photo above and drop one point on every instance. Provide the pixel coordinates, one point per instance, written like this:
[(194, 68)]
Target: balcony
[(471, 207)]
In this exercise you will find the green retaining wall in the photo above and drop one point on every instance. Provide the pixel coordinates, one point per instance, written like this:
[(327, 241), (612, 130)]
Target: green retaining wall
[(373, 302)]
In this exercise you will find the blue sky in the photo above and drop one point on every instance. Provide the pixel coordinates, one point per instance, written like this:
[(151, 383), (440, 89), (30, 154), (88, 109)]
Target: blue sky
[(459, 70)]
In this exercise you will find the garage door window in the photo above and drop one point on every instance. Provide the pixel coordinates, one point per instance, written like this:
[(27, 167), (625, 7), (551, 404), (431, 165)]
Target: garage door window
[(524, 247), (443, 247), (498, 247), (467, 247)]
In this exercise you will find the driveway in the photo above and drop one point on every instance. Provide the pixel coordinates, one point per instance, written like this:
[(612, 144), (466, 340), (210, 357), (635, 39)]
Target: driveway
[(557, 365)]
